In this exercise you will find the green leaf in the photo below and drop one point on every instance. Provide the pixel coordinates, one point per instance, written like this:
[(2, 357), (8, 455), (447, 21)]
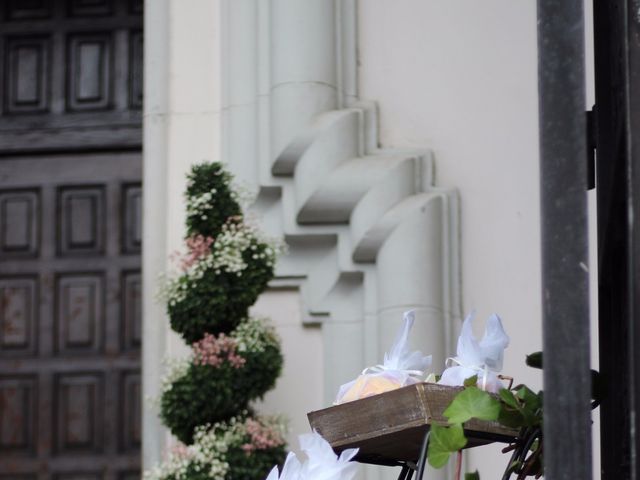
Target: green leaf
[(471, 381), (521, 409), (443, 442), (511, 418), (534, 360), (532, 402), (472, 403), (507, 397), (472, 476)]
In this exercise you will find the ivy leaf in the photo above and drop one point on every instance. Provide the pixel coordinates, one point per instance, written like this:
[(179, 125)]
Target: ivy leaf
[(471, 381), (531, 405), (513, 412), (472, 476), (511, 418), (443, 442), (508, 397), (472, 403)]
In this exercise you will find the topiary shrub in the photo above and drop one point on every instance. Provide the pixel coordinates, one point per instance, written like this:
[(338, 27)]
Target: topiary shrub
[(224, 374), (221, 279), (211, 200), (235, 359)]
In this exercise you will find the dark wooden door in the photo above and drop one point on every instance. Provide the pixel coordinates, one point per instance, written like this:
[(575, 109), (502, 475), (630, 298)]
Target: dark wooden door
[(70, 239)]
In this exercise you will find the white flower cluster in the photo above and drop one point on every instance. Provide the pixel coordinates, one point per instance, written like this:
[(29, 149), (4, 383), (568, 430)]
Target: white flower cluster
[(197, 206), (207, 454), (242, 193), (235, 239), (173, 290), (229, 247), (254, 335), (227, 254), (175, 368), (234, 431)]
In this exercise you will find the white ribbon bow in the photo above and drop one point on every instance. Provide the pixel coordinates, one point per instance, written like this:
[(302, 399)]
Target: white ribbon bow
[(382, 368), (478, 368)]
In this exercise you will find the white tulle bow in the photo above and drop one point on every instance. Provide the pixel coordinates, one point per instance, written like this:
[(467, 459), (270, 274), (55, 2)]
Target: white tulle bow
[(483, 358), (321, 462)]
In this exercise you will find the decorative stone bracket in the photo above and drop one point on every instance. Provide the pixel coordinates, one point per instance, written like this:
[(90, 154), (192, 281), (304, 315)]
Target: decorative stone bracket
[(369, 236)]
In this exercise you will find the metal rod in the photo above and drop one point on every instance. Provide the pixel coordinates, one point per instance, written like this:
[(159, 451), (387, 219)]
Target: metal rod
[(563, 174), (404, 472), (422, 461)]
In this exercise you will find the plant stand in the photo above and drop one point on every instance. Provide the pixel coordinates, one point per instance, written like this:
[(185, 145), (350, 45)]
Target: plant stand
[(393, 428)]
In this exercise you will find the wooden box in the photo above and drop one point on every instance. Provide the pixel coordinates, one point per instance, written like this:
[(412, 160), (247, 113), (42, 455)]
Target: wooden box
[(389, 428)]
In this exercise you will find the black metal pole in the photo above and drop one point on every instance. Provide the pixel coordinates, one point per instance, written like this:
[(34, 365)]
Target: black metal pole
[(617, 75), (563, 190)]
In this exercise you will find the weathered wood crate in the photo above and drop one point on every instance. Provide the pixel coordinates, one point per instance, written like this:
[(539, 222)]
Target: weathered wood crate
[(389, 428)]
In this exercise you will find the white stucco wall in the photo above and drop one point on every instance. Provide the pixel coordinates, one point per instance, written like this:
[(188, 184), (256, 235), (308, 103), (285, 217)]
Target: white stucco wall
[(300, 387), (458, 77), (461, 78), (181, 127)]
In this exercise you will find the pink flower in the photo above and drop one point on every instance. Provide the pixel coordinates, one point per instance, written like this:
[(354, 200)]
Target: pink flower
[(213, 351), (261, 436), (198, 247)]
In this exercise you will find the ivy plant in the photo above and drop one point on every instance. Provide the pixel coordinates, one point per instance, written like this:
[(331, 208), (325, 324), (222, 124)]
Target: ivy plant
[(518, 407)]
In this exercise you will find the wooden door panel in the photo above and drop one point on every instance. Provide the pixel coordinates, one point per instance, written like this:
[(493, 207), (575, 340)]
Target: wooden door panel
[(131, 310), (18, 415), (18, 316), (27, 82), (80, 321), (70, 239), (19, 224), (81, 220), (130, 415), (132, 218), (79, 410), (90, 63), (70, 315), (71, 76)]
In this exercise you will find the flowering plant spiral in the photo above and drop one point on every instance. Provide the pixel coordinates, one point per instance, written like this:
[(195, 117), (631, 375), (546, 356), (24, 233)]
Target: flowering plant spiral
[(219, 279), (235, 359)]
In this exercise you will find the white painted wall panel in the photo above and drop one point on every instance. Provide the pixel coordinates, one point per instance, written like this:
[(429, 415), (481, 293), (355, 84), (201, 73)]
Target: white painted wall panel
[(300, 388), (460, 77)]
